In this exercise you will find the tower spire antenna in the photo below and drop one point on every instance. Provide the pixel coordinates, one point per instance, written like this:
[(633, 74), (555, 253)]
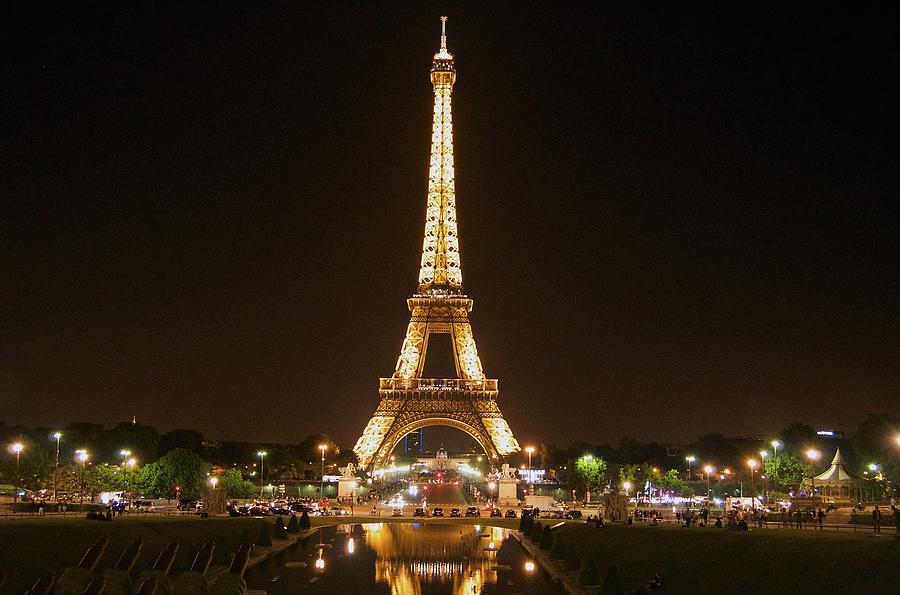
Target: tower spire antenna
[(444, 34)]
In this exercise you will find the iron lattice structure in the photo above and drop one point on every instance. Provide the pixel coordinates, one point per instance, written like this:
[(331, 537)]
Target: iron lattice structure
[(408, 401)]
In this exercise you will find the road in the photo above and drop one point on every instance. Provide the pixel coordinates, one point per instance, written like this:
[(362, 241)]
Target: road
[(445, 494)]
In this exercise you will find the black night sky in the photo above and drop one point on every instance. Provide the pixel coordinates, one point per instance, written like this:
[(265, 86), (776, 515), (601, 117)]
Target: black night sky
[(673, 219)]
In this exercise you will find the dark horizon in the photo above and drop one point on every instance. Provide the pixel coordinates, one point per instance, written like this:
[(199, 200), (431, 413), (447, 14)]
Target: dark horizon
[(672, 221)]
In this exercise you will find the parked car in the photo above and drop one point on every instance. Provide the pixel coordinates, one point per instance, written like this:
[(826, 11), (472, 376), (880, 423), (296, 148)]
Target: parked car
[(528, 509), (258, 511), (419, 512), (473, 511), (437, 511), (298, 508), (495, 512), (397, 512), (510, 514), (573, 514), (455, 512), (338, 511)]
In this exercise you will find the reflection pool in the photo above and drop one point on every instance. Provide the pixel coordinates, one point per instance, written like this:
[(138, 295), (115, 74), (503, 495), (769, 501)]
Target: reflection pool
[(404, 559)]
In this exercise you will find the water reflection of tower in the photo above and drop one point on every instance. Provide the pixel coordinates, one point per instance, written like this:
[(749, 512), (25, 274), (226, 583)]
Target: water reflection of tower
[(408, 555)]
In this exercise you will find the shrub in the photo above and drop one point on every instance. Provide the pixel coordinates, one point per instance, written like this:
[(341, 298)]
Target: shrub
[(265, 536), (558, 549), (527, 525), (279, 531), (611, 584), (590, 574), (523, 520), (244, 537), (536, 533), (546, 538), (304, 520), (573, 560), (293, 526)]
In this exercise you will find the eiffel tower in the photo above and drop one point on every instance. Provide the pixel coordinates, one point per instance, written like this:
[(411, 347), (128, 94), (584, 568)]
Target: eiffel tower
[(408, 401)]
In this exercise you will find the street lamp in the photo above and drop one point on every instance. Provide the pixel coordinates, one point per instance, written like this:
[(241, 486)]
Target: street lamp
[(813, 455), (17, 448), (125, 453), (58, 436), (261, 455), (83, 457), (775, 446), (323, 448), (690, 459), (752, 463), (213, 481), (708, 469)]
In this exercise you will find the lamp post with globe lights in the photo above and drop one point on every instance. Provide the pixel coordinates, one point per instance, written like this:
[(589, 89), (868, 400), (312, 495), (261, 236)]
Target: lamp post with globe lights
[(16, 449), (57, 436), (708, 469), (690, 459), (323, 448), (82, 456), (813, 455), (752, 463), (262, 456)]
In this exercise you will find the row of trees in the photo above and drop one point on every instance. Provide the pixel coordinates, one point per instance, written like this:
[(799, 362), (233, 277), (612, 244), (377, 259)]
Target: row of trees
[(147, 446), (594, 467)]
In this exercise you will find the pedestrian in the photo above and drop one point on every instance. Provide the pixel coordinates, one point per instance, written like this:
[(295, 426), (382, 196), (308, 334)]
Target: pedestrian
[(876, 520), (820, 516), (785, 521), (896, 510)]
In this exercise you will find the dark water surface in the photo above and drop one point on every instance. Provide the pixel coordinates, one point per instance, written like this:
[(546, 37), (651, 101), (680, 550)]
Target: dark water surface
[(404, 559)]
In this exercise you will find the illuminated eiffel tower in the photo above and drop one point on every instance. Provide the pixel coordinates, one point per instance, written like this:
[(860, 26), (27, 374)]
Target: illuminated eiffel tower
[(408, 401)]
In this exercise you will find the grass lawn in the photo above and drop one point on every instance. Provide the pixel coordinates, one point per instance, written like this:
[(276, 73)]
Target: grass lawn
[(30, 547), (708, 560)]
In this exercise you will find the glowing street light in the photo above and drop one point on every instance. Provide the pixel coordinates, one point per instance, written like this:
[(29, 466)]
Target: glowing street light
[(752, 463), (708, 469), (813, 455), (775, 446), (690, 459), (58, 437), (529, 566), (213, 481), (82, 456), (323, 448), (262, 455), (17, 449)]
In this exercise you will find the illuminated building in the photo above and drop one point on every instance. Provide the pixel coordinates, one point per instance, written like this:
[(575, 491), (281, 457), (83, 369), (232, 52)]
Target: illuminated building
[(408, 401)]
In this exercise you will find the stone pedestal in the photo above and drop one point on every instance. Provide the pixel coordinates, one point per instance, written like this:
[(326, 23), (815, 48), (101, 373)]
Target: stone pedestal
[(506, 491), (346, 487)]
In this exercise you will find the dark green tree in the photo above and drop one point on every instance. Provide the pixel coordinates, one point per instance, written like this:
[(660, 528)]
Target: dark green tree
[(187, 439), (264, 537), (304, 520), (536, 533), (177, 468), (611, 583), (236, 486), (279, 532), (546, 538), (573, 559), (558, 549), (590, 573), (293, 525)]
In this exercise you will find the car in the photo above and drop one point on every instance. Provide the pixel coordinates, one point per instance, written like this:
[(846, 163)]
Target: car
[(437, 511), (419, 512), (510, 514), (397, 512), (338, 511), (495, 512), (573, 514), (473, 511), (528, 509), (455, 512), (280, 510), (298, 508)]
